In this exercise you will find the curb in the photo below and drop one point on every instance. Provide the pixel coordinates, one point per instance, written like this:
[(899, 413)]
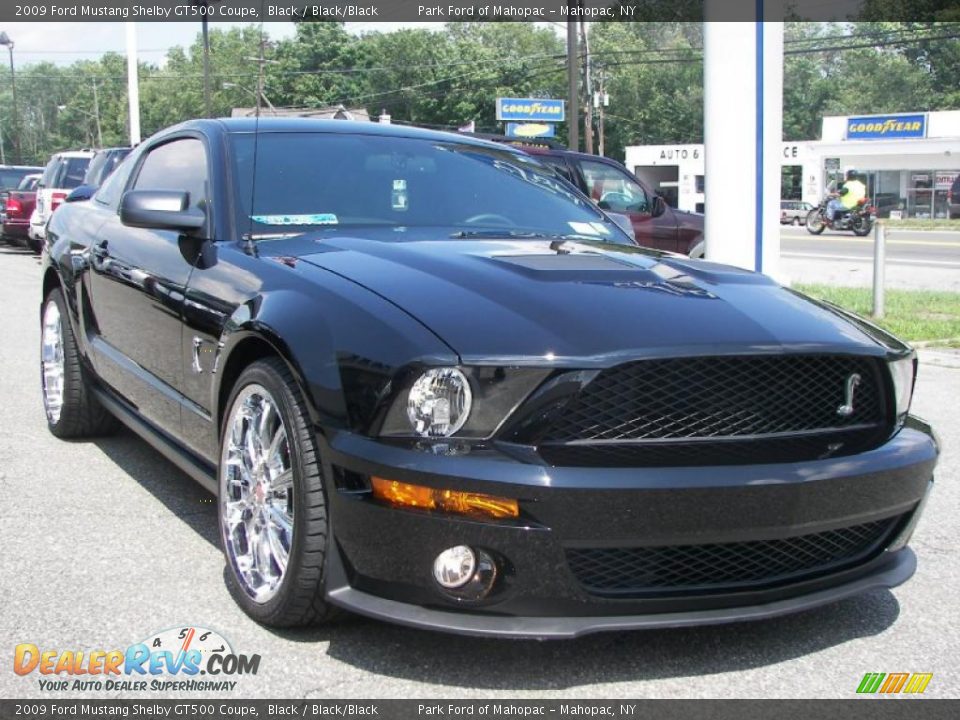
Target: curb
[(919, 344)]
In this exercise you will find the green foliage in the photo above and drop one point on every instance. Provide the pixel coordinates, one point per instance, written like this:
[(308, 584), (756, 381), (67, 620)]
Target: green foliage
[(447, 77)]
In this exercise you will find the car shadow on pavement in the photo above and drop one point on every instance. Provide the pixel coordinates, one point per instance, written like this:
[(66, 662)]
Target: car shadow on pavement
[(517, 665), (177, 491)]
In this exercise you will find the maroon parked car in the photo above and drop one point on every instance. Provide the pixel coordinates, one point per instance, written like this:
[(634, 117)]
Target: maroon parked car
[(17, 207), (615, 188)]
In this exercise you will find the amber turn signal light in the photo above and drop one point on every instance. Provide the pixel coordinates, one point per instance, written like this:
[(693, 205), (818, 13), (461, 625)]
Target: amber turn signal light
[(462, 503)]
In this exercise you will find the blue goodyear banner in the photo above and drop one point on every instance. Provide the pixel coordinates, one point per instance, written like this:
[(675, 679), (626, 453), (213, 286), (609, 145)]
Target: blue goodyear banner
[(531, 109), (886, 127), (531, 130)]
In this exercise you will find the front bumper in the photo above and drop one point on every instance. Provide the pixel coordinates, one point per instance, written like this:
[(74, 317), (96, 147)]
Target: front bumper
[(382, 557)]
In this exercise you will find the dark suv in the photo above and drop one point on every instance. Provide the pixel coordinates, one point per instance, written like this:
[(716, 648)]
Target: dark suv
[(615, 188)]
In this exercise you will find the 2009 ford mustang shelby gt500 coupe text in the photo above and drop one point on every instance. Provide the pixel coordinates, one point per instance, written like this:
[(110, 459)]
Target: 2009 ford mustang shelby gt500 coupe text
[(431, 382)]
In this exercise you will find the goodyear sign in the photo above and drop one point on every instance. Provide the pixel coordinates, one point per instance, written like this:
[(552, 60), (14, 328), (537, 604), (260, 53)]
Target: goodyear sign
[(887, 127), (530, 109), (531, 130)]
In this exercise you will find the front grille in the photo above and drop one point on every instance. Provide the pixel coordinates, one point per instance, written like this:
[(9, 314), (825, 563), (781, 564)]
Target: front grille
[(717, 410), (720, 397), (725, 566), (789, 449)]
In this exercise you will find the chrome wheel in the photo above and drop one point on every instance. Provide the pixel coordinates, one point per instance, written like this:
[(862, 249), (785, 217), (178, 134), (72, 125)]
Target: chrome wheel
[(51, 361), (256, 493)]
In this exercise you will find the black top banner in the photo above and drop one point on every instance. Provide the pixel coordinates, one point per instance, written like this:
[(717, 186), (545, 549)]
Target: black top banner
[(443, 11)]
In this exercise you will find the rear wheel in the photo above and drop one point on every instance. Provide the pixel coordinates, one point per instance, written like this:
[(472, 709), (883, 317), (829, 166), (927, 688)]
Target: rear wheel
[(862, 226), (272, 507), (796, 220), (815, 222), (72, 409)]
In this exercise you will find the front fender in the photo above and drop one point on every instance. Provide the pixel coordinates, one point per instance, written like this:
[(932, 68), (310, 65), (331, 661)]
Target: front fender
[(324, 332)]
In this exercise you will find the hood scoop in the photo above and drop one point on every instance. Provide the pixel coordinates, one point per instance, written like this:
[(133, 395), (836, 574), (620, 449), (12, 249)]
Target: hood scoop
[(566, 262)]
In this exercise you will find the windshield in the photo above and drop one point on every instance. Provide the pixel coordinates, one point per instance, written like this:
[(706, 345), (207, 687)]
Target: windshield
[(317, 180)]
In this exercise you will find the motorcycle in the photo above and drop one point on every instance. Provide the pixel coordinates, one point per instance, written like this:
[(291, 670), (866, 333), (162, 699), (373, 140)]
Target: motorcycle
[(858, 219)]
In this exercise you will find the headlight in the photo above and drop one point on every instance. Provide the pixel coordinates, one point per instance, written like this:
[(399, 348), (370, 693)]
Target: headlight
[(903, 372), (438, 403)]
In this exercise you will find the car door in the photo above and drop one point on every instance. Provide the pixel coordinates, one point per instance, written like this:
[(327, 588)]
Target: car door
[(612, 188), (137, 283)]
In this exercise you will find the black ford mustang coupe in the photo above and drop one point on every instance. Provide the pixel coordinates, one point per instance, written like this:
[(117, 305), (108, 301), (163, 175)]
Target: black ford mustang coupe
[(431, 383)]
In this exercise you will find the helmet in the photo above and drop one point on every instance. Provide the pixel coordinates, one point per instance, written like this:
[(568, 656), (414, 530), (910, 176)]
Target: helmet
[(851, 173)]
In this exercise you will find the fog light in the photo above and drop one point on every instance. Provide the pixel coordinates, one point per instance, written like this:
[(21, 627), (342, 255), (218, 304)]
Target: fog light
[(454, 567)]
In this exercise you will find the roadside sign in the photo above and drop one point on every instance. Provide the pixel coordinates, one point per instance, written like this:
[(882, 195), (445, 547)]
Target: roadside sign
[(531, 109), (531, 130)]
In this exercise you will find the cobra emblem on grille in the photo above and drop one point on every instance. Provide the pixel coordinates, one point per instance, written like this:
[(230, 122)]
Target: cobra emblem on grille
[(846, 410)]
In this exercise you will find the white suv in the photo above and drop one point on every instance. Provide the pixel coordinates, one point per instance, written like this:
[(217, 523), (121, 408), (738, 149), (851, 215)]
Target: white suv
[(63, 173)]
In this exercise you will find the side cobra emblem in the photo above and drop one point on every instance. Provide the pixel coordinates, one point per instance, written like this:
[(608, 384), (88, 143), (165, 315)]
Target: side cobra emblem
[(846, 410)]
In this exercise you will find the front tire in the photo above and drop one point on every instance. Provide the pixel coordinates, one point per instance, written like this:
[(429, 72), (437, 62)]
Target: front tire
[(72, 409), (815, 222), (272, 507)]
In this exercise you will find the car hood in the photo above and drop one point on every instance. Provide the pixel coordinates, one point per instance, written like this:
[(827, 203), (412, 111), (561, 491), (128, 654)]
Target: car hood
[(578, 303)]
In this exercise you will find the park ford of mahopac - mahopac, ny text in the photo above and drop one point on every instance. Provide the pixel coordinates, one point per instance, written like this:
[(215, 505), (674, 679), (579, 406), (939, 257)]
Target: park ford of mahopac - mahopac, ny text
[(511, 11)]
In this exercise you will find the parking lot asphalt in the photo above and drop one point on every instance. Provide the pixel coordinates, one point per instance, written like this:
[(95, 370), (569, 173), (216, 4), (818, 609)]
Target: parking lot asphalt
[(104, 543)]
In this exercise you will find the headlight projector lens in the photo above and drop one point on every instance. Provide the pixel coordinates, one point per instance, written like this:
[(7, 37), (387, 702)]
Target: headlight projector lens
[(439, 402)]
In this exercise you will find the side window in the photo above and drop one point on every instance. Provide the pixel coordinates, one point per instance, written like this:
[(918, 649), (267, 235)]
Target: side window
[(50, 172), (613, 189), (558, 164), (176, 165), (109, 193)]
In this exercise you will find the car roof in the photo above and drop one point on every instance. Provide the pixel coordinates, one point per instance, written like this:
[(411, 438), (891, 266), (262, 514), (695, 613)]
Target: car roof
[(344, 127)]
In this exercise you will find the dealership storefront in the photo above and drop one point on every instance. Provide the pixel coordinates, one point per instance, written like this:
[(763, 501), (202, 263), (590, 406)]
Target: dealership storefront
[(909, 162)]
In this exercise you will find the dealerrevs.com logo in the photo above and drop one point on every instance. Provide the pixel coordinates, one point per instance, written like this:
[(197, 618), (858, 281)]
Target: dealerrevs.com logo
[(178, 659)]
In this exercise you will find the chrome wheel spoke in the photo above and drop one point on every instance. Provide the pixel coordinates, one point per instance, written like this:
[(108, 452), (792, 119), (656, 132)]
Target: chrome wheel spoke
[(279, 553), (282, 483), (256, 492)]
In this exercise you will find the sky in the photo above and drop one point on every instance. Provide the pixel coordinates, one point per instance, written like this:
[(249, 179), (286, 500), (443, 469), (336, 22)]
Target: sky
[(65, 43)]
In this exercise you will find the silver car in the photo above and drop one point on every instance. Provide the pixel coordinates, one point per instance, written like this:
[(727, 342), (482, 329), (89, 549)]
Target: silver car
[(794, 212)]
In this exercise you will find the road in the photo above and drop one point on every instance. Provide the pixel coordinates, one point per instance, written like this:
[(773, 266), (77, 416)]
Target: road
[(928, 260), (105, 543)]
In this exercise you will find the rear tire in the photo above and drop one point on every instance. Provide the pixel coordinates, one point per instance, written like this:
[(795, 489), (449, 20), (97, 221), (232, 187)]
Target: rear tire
[(795, 221), (272, 506), (815, 222), (72, 409), (862, 227)]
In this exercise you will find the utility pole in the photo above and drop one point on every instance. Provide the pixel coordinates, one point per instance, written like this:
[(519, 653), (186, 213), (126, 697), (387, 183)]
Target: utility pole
[(600, 101), (587, 91), (573, 100), (15, 130), (133, 84), (96, 115)]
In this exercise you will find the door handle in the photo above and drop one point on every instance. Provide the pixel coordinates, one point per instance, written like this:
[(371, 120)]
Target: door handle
[(100, 250)]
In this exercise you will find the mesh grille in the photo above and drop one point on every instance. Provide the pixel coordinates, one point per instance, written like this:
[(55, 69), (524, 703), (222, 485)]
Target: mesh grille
[(651, 570), (797, 448), (708, 397)]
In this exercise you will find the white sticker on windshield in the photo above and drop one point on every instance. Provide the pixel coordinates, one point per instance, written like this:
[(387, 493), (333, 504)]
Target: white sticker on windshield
[(316, 219), (601, 228), (582, 228)]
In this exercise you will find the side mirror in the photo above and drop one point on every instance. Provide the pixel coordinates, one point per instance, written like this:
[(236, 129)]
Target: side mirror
[(659, 206), (78, 194), (160, 210)]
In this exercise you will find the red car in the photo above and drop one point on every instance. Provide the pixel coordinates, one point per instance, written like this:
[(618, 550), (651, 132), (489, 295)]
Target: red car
[(17, 207), (615, 188)]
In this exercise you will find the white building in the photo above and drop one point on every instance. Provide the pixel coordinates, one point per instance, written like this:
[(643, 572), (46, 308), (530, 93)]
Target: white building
[(909, 161)]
